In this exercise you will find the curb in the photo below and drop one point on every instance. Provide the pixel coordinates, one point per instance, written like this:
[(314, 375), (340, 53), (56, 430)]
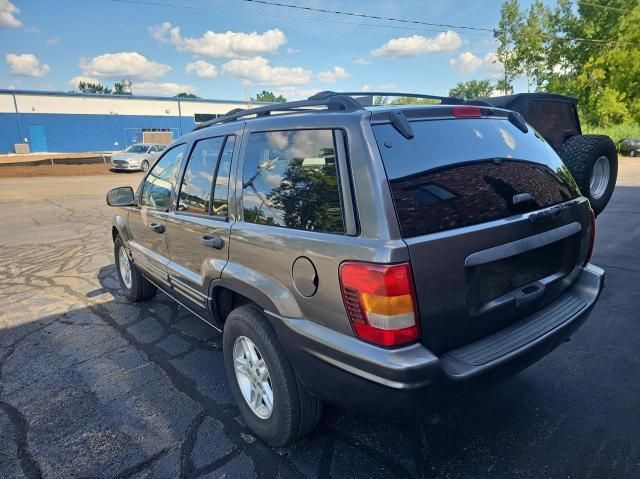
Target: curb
[(59, 161)]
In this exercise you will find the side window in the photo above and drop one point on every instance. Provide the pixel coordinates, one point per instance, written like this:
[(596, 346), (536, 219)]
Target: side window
[(197, 181), (221, 189), (159, 183), (290, 179)]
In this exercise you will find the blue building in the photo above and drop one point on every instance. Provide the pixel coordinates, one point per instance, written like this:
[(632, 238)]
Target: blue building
[(79, 122)]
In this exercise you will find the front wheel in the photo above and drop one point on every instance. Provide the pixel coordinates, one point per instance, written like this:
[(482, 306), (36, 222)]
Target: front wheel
[(144, 165), (593, 163), (134, 286), (273, 402)]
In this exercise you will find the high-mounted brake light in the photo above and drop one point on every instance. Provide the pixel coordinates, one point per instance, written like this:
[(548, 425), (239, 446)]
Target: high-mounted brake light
[(467, 111), (380, 302), (592, 240)]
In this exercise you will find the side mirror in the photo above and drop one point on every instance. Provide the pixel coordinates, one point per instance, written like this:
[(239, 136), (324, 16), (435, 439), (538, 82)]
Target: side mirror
[(122, 196)]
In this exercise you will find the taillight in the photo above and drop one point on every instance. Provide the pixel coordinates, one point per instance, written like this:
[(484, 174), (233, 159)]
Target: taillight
[(467, 111), (380, 302), (592, 240)]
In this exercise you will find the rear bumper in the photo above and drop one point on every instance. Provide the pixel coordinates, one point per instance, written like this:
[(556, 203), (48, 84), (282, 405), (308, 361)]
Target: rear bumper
[(346, 371)]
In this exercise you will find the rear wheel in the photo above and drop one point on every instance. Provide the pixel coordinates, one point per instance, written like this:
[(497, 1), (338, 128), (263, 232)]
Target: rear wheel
[(632, 153), (134, 286), (593, 163), (273, 402)]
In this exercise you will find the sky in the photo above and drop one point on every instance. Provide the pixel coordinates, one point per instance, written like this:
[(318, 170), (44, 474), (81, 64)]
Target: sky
[(232, 49)]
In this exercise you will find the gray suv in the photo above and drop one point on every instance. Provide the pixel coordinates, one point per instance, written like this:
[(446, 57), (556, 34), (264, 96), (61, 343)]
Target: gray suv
[(382, 258)]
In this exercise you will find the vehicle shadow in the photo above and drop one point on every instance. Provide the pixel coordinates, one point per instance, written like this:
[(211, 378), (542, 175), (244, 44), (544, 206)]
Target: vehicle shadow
[(115, 389)]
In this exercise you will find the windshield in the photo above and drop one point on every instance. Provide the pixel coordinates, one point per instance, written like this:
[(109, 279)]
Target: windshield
[(137, 149)]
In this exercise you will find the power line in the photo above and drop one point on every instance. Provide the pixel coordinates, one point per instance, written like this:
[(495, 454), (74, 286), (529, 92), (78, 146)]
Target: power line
[(373, 17), (312, 19), (377, 25), (597, 5)]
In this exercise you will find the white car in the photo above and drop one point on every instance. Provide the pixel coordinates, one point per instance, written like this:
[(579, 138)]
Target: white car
[(138, 156)]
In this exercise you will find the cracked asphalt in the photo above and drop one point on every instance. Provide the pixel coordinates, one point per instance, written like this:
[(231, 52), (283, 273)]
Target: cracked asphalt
[(94, 386)]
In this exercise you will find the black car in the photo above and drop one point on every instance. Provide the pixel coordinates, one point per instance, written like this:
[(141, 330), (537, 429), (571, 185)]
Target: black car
[(629, 147)]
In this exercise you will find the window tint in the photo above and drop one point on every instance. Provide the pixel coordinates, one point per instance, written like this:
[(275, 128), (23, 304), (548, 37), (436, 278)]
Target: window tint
[(555, 120), (197, 181), (457, 173), (221, 190), (159, 183), (290, 179)]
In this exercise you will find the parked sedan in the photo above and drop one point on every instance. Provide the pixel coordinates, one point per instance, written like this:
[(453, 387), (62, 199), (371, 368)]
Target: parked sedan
[(630, 147), (138, 156)]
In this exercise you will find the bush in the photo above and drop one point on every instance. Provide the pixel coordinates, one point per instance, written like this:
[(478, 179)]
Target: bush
[(616, 132)]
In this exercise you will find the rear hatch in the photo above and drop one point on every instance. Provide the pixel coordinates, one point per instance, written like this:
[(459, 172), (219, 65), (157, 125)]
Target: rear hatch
[(494, 223)]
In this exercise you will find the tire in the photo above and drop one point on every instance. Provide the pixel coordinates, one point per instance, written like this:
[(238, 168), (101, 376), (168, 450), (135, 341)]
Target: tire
[(138, 287), (632, 153), (581, 154), (144, 165), (295, 412)]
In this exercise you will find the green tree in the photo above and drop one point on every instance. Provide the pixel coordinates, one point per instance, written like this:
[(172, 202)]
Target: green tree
[(118, 89), (186, 95), (472, 89), (531, 44), (87, 87), (507, 36), (269, 97)]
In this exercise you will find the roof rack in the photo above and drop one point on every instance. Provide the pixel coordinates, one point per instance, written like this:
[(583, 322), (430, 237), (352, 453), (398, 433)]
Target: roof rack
[(336, 102), (444, 100)]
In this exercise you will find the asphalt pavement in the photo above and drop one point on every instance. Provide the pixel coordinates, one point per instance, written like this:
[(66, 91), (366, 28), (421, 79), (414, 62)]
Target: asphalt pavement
[(94, 386)]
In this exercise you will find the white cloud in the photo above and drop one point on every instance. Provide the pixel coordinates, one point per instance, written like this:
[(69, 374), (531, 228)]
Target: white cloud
[(32, 30), (467, 63), (220, 45), (8, 12), (257, 71), (331, 76), (123, 64), (293, 50), (419, 45), (379, 87), (75, 81), (296, 93), (168, 89), (52, 41), (202, 69), (361, 61), (26, 65), (492, 65)]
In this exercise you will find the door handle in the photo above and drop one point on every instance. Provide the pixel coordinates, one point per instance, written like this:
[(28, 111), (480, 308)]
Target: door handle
[(213, 241), (158, 228)]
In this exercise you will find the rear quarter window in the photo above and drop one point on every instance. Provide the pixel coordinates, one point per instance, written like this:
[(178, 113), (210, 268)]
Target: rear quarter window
[(290, 179)]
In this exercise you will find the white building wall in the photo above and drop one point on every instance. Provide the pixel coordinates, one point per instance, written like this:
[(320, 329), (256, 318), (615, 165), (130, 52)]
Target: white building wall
[(95, 106), (110, 105), (6, 103)]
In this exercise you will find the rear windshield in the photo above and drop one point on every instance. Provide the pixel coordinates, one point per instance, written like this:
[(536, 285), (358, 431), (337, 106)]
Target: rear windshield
[(460, 172)]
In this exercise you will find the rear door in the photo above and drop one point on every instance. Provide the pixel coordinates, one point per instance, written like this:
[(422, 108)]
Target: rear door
[(493, 221), (198, 228), (148, 220)]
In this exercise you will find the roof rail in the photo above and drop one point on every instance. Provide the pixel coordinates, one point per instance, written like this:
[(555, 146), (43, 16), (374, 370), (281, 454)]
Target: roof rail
[(444, 100), (337, 102)]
